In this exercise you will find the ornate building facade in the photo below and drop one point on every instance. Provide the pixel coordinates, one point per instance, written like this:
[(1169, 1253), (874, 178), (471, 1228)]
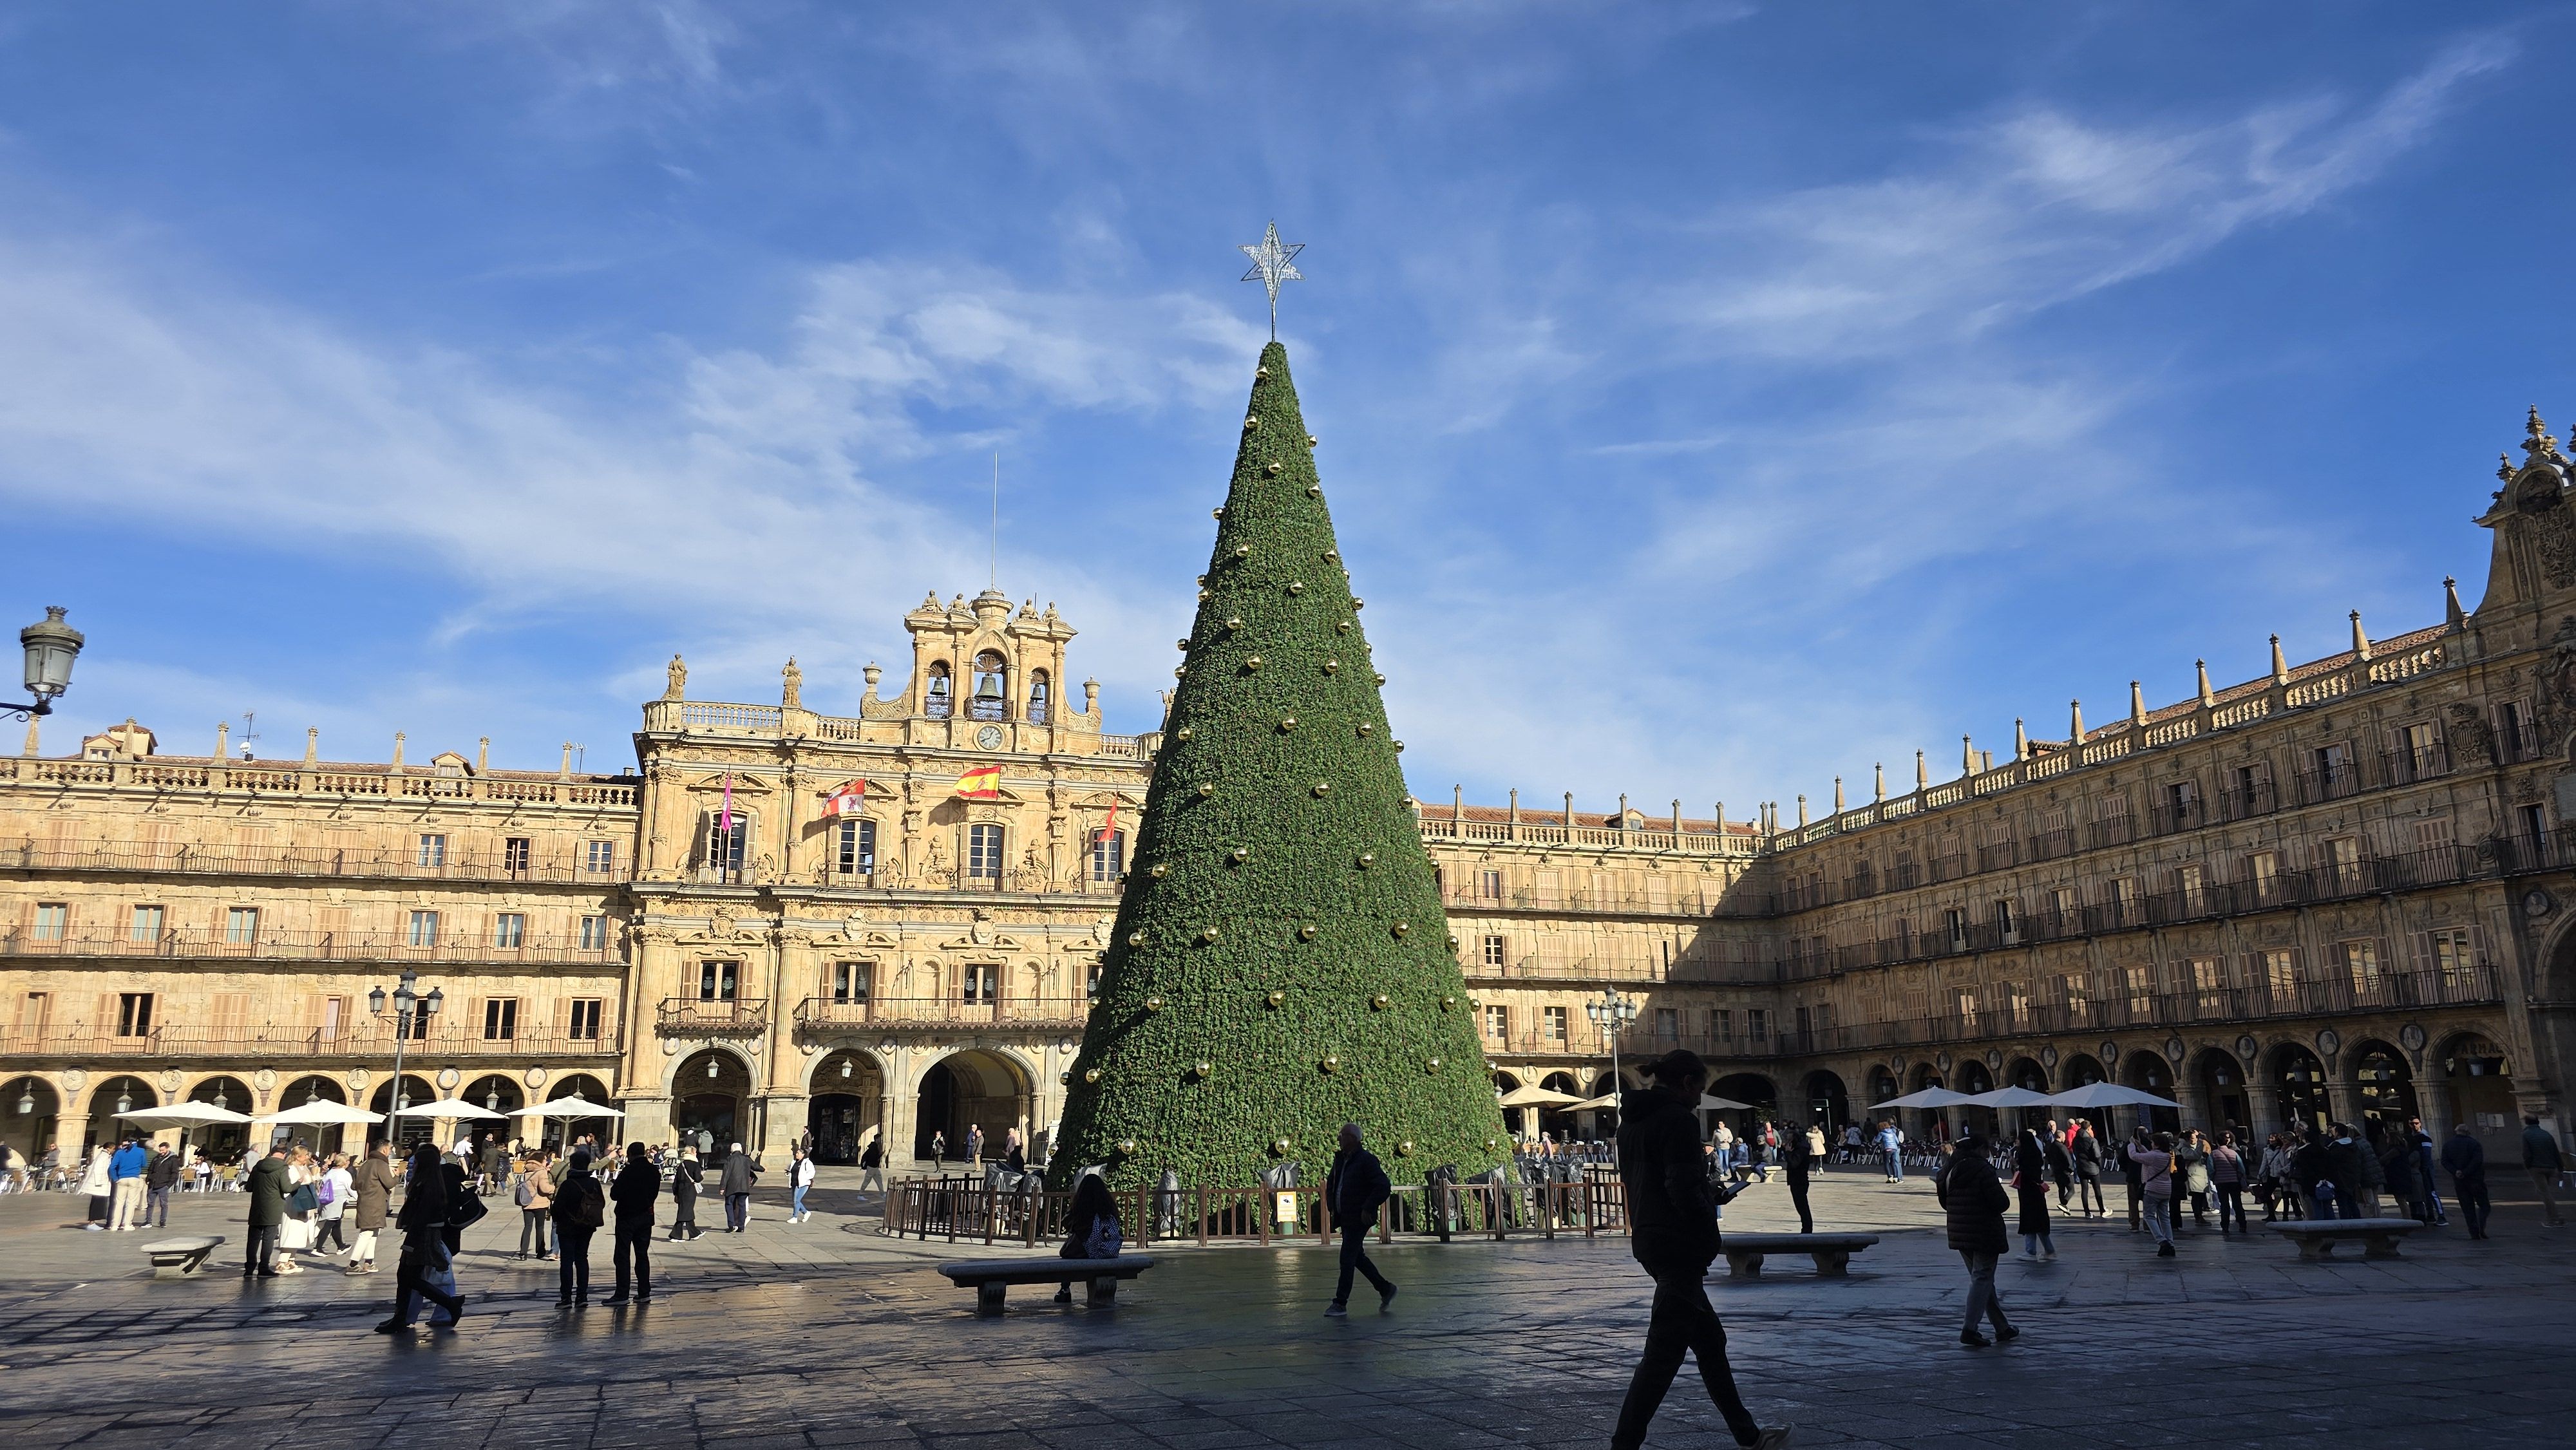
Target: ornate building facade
[(2340, 889)]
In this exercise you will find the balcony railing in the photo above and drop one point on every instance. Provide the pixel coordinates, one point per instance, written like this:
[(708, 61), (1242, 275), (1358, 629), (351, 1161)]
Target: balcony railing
[(221, 944), (2049, 845), (823, 1015), (2316, 995), (265, 1041), (2405, 767), (1612, 903), (695, 1017), (273, 777), (121, 858)]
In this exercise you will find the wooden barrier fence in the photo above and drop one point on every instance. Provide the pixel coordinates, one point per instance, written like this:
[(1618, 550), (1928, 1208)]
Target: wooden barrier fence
[(964, 1209)]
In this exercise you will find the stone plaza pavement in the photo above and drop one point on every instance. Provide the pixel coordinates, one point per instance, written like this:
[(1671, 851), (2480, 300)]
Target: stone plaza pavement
[(825, 1334)]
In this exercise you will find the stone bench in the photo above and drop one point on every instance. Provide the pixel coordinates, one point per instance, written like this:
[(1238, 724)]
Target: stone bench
[(178, 1258), (989, 1277), (1832, 1252), (2317, 1237)]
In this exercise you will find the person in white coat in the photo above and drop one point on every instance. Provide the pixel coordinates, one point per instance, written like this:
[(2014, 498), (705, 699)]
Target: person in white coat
[(95, 1187), (800, 1176)]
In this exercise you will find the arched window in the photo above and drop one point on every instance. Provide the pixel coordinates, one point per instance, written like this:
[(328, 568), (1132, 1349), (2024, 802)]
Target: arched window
[(1040, 698), (992, 688), (858, 855), (726, 835), (984, 855), (934, 701)]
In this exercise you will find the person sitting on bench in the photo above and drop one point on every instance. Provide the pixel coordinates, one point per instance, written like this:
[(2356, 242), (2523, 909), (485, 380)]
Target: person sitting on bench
[(1091, 1229)]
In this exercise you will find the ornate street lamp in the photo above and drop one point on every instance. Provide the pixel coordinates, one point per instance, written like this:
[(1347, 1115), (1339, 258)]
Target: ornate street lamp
[(1612, 1013), (409, 1007), (51, 647)]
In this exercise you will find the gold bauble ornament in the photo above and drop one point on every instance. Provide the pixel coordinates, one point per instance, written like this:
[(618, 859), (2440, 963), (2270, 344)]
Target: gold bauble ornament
[(1201, 1068), (1091, 1074), (1378, 1002), (1252, 666), (1243, 551), (1400, 928), (1126, 1147), (1295, 587), (1323, 787), (1207, 936), (1331, 1064), (1183, 733), (1233, 623), (1159, 870), (1276, 998), (1241, 854), (1271, 468), (1287, 723), (1135, 938), (1206, 789), (1153, 1004), (1306, 933)]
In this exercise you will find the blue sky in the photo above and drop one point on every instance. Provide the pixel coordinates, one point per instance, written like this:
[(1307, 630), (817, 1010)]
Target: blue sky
[(1715, 399)]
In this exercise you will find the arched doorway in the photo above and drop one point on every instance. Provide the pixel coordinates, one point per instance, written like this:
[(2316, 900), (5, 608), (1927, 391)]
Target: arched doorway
[(1515, 1120), (404, 1131), (2384, 1084), (2220, 1077), (495, 1093), (1557, 1123), (223, 1142), (845, 1106), (119, 1094), (2149, 1072), (968, 1090), (1828, 1106), (2300, 1087), (34, 1112), (325, 1137), (1973, 1078), (561, 1132), (2479, 1091), (1605, 1121), (1761, 1099), (2083, 1069), (2027, 1074)]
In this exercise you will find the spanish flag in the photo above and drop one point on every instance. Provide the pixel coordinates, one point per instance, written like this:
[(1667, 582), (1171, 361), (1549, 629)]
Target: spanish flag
[(983, 783)]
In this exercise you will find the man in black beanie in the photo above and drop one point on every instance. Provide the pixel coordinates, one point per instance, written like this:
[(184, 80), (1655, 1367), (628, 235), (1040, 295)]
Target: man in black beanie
[(1672, 1226)]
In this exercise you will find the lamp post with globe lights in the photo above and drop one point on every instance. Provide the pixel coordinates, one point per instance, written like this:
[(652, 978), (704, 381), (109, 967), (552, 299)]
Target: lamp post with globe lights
[(409, 1006)]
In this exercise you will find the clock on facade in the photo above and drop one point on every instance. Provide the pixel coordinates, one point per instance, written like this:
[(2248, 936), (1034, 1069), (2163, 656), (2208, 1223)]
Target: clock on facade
[(990, 737)]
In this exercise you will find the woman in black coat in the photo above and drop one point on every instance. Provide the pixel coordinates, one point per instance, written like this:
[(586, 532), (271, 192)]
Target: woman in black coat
[(1974, 1200), (2030, 1174), (423, 1222)]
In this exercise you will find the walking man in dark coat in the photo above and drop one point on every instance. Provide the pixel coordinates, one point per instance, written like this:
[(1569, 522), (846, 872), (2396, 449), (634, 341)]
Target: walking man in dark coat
[(1794, 1154), (1974, 1200), (634, 1190), (268, 1192), (739, 1175), (1672, 1215), (2466, 1157), (1354, 1188)]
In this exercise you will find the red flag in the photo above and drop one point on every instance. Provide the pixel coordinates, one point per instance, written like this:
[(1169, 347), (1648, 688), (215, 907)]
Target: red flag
[(847, 796), (1111, 829)]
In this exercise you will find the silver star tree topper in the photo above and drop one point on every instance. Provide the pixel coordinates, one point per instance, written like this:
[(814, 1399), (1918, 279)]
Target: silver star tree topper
[(1273, 264)]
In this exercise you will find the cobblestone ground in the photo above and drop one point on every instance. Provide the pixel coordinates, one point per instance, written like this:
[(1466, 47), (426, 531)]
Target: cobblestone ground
[(825, 1334)]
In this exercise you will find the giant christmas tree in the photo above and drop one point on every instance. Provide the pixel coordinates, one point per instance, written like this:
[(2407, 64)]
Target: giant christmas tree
[(1281, 963)]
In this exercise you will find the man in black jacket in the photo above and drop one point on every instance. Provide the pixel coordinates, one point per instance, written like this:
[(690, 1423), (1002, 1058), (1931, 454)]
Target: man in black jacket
[(633, 1192), (1672, 1229), (1353, 1190), (2466, 1157)]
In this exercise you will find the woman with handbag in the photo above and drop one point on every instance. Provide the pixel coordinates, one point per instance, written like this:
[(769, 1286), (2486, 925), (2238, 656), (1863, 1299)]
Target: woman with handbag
[(333, 1189), (303, 1200), (423, 1222), (536, 1199)]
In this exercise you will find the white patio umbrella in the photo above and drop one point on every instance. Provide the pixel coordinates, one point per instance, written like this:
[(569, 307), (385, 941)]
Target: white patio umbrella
[(1538, 1097), (447, 1108), (1931, 1097), (2009, 1097), (1712, 1103), (2109, 1095), (182, 1116), (322, 1112), (575, 1106), (1606, 1100)]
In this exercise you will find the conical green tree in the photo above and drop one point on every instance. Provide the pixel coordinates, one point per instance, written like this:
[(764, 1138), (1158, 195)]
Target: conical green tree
[(1281, 963)]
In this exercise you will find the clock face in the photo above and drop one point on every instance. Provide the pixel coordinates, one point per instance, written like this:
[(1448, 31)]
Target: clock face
[(990, 737)]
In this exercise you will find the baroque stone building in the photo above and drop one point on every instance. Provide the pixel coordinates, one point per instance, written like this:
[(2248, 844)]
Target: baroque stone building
[(2340, 889)]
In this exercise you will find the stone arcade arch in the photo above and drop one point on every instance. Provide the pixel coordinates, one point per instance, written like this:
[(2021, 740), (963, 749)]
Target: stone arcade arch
[(30, 1114), (710, 1101), (844, 1104), (2382, 1082), (1828, 1106), (2225, 1096), (325, 1137), (224, 1140), (971, 1088), (2148, 1071), (2299, 1090)]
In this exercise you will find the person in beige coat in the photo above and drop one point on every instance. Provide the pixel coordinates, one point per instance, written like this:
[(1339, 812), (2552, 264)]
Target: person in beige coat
[(536, 1196), (372, 1184)]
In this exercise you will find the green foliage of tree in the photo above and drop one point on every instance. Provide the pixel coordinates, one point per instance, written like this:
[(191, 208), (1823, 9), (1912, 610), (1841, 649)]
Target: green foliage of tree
[(1281, 963)]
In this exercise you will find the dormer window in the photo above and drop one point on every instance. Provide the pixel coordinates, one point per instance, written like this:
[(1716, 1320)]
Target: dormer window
[(1039, 697), (992, 687), (935, 696)]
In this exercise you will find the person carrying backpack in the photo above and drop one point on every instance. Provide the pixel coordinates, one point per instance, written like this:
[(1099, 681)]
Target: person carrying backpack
[(581, 1208)]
